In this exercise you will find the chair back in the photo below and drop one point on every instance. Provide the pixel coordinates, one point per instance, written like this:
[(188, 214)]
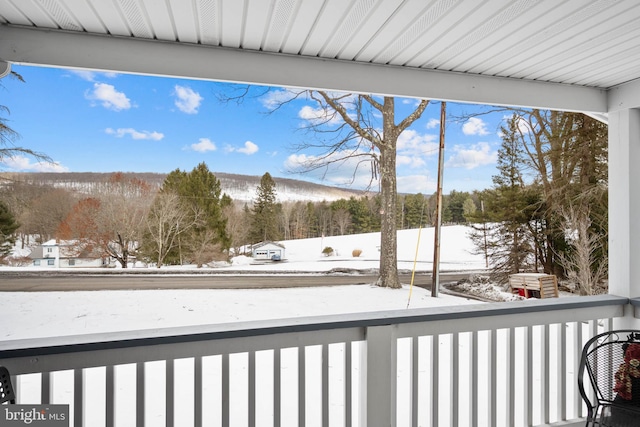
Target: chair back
[(6, 389), (612, 362)]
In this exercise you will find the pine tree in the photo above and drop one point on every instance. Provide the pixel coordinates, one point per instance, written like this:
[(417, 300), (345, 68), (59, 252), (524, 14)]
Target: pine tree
[(415, 211), (264, 224), (200, 194), (508, 211), (455, 206), (8, 226)]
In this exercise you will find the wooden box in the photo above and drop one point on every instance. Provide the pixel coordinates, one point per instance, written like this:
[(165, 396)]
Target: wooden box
[(534, 285)]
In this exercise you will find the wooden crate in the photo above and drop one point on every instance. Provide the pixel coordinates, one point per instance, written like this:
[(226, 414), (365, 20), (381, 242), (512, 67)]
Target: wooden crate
[(534, 285)]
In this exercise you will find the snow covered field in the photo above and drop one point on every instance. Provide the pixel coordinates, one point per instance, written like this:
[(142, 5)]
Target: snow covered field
[(41, 314), (31, 315)]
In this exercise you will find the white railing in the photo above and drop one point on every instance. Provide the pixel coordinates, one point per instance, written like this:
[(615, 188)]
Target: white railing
[(498, 364)]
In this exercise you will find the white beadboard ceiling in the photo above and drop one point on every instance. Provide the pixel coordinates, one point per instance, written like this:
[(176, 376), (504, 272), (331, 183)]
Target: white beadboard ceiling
[(583, 46)]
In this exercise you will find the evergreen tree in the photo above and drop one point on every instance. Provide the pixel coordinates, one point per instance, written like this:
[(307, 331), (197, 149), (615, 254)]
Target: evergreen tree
[(8, 226), (312, 220), (455, 206), (508, 211), (264, 224), (200, 194), (362, 219), (415, 211)]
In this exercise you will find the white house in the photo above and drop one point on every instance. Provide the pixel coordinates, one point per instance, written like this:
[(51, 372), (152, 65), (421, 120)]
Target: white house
[(66, 253)]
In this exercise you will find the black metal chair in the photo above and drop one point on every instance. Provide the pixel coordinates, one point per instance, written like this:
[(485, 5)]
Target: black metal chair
[(612, 362), (6, 389)]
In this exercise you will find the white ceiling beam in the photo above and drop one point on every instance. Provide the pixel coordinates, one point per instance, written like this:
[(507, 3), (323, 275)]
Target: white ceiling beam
[(132, 55), (624, 96)]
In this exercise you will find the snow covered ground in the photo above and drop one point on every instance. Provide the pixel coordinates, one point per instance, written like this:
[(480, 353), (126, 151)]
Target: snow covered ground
[(41, 314), (456, 252), (26, 315)]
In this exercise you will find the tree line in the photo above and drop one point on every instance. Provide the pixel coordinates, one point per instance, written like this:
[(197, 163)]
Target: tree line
[(547, 209), (189, 220)]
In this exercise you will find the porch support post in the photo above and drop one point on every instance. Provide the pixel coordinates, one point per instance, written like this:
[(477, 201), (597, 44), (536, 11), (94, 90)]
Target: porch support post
[(624, 208), (381, 376)]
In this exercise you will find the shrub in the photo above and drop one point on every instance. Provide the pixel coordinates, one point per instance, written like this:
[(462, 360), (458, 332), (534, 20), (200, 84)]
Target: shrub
[(21, 261), (356, 253), (327, 251)]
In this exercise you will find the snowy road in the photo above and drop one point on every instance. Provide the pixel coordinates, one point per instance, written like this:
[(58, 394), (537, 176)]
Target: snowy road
[(44, 282)]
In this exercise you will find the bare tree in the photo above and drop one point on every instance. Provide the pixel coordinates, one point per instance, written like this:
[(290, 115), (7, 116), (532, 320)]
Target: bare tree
[(299, 220), (120, 218), (284, 219), (113, 220), (583, 265), (360, 128), (206, 246), (46, 211), (237, 226), (167, 220), (342, 221), (363, 128)]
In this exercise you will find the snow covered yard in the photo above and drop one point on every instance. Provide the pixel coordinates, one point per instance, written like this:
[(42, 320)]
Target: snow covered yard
[(45, 314), (29, 315)]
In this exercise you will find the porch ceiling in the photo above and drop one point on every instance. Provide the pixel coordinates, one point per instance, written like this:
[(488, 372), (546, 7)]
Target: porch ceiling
[(572, 54)]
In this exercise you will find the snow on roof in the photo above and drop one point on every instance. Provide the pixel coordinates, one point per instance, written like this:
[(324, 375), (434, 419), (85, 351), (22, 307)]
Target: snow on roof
[(261, 244)]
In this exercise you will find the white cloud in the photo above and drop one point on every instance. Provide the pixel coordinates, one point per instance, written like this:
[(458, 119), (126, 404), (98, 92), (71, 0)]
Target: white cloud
[(319, 116), (416, 184), (145, 134), (204, 145), (413, 148), (354, 171), (187, 100), (275, 98), (411, 101), (22, 163), (90, 75), (471, 157), (475, 126), (411, 161), (433, 124), (108, 97), (248, 148)]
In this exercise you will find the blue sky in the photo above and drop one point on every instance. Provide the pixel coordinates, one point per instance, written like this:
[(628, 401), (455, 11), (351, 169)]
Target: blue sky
[(105, 122)]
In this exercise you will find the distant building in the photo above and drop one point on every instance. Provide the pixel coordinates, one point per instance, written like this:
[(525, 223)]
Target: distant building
[(268, 251), (67, 253)]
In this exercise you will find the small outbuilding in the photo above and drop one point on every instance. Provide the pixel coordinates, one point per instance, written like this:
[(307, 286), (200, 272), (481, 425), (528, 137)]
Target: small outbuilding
[(265, 251)]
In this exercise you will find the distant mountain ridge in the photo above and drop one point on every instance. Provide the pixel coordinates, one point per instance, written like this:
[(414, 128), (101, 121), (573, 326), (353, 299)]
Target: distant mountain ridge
[(239, 187)]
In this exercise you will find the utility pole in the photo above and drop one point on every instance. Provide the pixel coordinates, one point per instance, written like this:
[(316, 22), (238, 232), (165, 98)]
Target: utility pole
[(435, 284)]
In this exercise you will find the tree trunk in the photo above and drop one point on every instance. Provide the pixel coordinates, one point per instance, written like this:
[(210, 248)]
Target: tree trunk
[(388, 276)]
